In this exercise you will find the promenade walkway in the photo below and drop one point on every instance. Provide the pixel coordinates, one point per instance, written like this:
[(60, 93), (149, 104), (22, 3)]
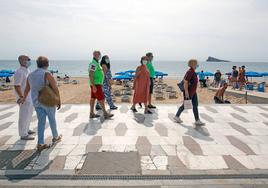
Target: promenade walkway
[(233, 144)]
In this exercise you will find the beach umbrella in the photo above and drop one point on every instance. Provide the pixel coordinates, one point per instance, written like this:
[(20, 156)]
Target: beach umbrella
[(130, 75), (160, 74), (253, 74), (120, 73), (5, 75), (130, 71), (122, 77), (264, 73), (7, 71), (206, 73)]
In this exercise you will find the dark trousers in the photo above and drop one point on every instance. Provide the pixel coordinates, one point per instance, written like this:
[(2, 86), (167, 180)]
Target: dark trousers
[(195, 107), (219, 101)]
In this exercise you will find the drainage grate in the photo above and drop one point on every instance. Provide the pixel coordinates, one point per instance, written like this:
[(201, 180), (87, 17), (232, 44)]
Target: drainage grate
[(111, 163)]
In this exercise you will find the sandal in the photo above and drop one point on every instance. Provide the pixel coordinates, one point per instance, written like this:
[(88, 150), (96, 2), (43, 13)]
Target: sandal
[(108, 116), (41, 147), (94, 116), (57, 139)]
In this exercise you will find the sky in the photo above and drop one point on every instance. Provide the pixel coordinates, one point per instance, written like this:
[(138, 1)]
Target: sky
[(235, 30)]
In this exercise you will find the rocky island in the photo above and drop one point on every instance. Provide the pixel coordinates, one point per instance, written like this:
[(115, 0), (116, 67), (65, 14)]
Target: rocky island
[(213, 59)]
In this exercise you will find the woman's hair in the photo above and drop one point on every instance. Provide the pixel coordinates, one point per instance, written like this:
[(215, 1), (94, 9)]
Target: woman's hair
[(192, 62), (142, 58), (42, 62), (103, 62)]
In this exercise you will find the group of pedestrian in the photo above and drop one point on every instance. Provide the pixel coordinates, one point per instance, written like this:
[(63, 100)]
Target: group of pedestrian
[(143, 84), (38, 90), (27, 89)]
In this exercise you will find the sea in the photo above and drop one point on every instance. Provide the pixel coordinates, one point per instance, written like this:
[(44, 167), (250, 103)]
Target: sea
[(174, 69)]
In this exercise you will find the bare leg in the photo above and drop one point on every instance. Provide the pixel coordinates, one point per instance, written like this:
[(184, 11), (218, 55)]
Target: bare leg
[(150, 99), (146, 107), (103, 107), (92, 104)]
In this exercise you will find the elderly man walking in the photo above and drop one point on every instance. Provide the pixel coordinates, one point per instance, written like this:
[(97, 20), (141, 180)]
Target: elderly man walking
[(96, 78), (25, 109)]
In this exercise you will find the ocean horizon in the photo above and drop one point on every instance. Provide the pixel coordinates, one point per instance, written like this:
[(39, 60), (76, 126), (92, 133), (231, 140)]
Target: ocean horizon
[(174, 69)]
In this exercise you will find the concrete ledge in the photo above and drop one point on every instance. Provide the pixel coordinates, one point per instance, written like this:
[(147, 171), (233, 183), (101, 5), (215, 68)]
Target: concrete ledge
[(252, 96)]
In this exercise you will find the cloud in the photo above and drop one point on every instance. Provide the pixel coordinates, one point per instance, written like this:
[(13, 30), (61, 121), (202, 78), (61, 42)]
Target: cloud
[(174, 29)]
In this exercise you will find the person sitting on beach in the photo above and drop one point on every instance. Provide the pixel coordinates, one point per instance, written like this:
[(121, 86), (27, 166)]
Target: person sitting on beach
[(141, 86), (234, 77), (190, 86), (217, 78), (202, 79), (219, 96), (96, 78), (106, 67)]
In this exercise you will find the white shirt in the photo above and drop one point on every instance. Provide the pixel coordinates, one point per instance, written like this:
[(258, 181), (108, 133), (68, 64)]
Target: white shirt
[(20, 79)]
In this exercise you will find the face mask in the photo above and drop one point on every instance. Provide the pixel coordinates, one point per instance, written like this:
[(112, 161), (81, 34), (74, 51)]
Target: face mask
[(107, 60), (144, 62), (28, 63)]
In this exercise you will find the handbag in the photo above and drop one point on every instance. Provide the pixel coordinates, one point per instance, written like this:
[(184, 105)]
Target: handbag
[(188, 104), (47, 96)]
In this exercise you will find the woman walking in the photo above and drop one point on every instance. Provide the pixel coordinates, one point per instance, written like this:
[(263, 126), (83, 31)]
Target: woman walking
[(107, 88), (190, 87), (141, 86), (37, 80)]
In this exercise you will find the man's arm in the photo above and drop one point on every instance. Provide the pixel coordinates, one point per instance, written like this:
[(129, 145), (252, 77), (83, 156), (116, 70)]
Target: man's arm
[(26, 92), (17, 83), (91, 78), (18, 90)]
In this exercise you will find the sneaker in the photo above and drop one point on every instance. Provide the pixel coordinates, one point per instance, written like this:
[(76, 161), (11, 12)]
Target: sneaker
[(108, 116), (151, 106), (134, 110), (114, 108), (177, 119), (57, 139), (41, 147), (94, 116), (31, 132), (28, 137), (199, 123), (148, 112)]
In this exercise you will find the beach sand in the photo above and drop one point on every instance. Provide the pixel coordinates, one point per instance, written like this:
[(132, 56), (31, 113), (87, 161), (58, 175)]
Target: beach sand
[(79, 94)]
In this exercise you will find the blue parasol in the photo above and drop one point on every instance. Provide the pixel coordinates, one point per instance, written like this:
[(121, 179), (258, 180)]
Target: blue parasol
[(130, 71), (206, 73), (120, 73), (160, 74), (253, 74), (7, 71), (264, 73), (122, 77), (5, 75)]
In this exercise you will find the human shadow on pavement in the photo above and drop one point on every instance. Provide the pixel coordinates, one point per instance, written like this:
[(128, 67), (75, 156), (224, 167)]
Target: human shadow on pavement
[(199, 132)]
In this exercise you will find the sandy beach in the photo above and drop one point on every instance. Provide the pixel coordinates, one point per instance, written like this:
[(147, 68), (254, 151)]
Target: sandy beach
[(79, 94)]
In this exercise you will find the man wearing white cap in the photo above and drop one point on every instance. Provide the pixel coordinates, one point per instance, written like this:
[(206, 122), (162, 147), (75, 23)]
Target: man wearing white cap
[(25, 109)]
